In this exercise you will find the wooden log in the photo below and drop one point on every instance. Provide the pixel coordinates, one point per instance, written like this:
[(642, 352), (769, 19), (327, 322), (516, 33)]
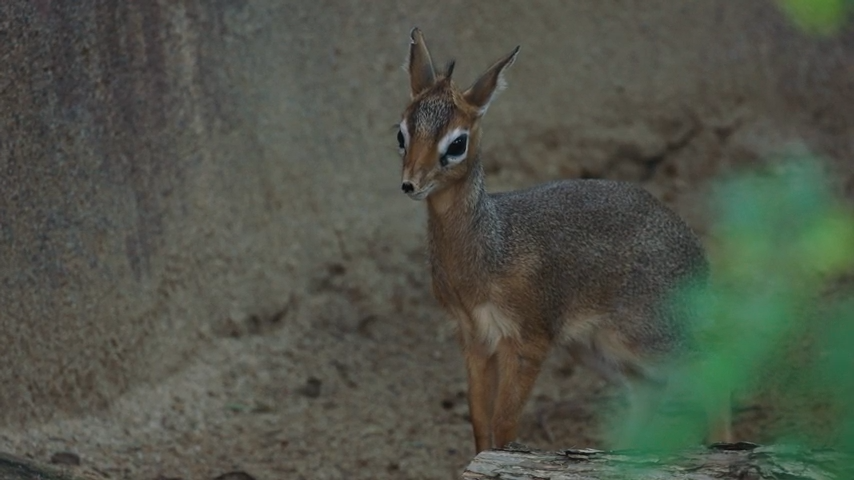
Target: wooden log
[(745, 461), (16, 468)]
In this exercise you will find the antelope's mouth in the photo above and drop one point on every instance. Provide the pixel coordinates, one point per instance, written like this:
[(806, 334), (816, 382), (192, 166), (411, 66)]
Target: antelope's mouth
[(422, 193)]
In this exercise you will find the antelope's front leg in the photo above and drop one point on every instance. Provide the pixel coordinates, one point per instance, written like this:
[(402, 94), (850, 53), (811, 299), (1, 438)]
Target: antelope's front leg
[(519, 364), (481, 367)]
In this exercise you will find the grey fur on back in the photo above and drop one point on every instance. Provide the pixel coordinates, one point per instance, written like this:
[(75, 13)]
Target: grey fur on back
[(600, 248)]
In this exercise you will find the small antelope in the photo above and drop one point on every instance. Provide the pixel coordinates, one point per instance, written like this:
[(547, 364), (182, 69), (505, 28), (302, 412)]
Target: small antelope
[(582, 263)]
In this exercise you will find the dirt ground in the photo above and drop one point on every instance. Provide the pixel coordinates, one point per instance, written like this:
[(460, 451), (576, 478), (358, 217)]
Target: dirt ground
[(359, 375), (336, 388)]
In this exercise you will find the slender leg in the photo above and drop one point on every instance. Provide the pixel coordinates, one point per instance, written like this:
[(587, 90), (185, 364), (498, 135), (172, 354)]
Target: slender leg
[(518, 368), (719, 414), (481, 366), (644, 400)]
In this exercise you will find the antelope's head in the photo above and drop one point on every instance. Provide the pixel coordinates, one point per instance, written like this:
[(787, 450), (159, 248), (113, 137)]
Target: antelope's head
[(440, 129)]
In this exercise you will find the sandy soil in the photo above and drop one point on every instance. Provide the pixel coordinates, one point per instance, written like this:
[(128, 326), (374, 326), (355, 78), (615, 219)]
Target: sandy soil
[(359, 376), (336, 388), (332, 388)]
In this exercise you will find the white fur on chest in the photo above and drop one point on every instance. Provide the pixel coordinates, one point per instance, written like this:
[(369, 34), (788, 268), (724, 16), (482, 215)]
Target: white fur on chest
[(491, 325)]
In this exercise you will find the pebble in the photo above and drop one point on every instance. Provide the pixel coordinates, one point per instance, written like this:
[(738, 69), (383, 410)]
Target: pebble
[(235, 476), (65, 458)]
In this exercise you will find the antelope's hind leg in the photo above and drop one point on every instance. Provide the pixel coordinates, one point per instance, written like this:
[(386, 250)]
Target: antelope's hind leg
[(519, 365)]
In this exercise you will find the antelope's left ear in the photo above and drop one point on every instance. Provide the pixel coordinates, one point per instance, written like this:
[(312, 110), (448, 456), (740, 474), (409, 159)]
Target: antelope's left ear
[(422, 74), (485, 89)]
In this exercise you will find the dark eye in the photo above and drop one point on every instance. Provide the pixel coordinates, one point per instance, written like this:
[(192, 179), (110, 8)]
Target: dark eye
[(400, 140), (458, 146)]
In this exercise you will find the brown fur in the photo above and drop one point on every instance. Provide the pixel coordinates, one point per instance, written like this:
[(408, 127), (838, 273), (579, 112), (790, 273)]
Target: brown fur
[(586, 263)]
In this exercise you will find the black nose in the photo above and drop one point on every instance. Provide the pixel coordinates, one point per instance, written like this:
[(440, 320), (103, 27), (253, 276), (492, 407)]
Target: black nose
[(407, 187)]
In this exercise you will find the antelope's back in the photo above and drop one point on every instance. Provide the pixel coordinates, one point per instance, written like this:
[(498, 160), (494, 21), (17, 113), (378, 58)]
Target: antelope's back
[(601, 246)]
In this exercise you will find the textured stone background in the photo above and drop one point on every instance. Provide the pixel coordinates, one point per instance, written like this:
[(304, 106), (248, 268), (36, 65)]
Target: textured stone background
[(137, 205), (171, 171)]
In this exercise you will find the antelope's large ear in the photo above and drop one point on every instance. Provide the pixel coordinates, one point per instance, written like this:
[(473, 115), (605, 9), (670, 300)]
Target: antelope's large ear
[(484, 90), (422, 75)]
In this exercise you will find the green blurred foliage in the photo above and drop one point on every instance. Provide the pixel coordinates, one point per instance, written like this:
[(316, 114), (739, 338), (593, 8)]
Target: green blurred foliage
[(820, 17), (781, 235)]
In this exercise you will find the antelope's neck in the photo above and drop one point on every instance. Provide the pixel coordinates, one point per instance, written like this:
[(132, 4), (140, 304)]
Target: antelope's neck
[(463, 228)]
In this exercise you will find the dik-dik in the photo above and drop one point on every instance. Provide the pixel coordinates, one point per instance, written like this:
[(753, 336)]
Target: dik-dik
[(583, 263)]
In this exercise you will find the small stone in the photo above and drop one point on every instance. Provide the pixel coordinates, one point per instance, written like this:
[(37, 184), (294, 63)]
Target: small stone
[(261, 407), (65, 458), (311, 389), (235, 476)]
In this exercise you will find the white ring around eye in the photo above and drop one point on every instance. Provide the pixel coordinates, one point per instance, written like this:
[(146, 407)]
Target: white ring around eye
[(446, 141), (405, 132)]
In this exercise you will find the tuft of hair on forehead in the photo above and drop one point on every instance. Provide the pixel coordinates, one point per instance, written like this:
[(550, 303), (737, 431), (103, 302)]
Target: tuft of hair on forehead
[(432, 112), (449, 68)]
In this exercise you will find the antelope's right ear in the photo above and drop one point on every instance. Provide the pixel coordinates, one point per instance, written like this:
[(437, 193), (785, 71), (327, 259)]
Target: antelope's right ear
[(422, 75), (485, 88)]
